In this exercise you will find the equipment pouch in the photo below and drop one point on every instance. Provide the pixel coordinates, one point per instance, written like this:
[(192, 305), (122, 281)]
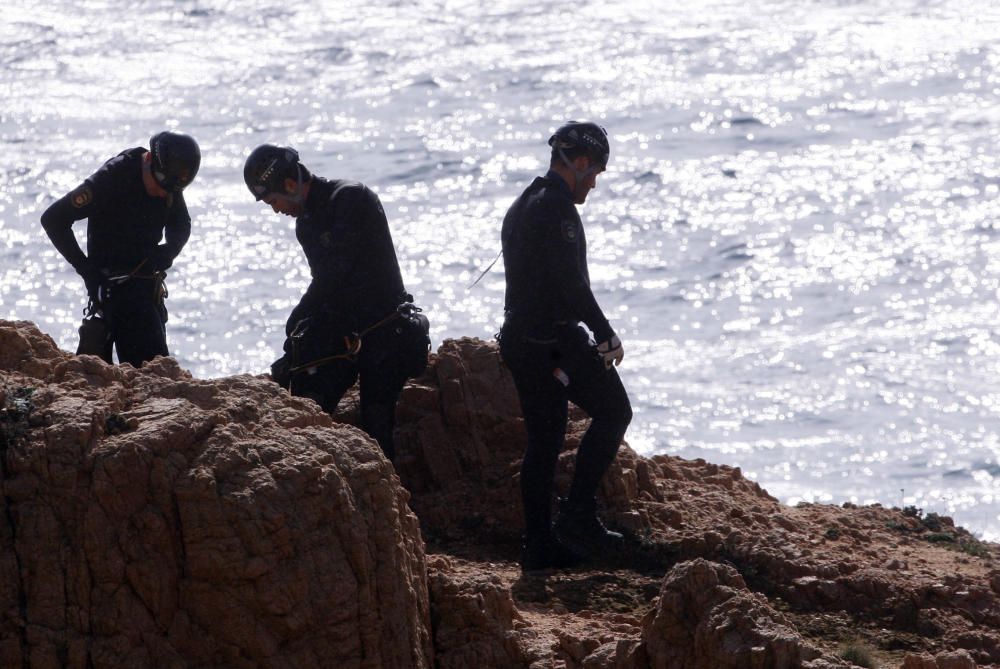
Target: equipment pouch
[(413, 329), (95, 338)]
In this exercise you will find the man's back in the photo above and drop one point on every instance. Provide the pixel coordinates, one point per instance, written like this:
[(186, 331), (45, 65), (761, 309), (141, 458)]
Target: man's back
[(545, 260), (345, 236)]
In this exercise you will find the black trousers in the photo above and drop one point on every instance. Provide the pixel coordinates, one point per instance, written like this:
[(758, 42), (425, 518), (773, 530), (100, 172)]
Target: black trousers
[(548, 374), (136, 321), (382, 369)]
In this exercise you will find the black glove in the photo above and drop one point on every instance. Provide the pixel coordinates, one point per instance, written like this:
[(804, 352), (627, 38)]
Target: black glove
[(611, 351), (93, 278)]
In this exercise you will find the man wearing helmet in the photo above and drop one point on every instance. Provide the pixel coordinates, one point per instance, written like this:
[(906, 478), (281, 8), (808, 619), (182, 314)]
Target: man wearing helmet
[(132, 203), (553, 359), (355, 319)]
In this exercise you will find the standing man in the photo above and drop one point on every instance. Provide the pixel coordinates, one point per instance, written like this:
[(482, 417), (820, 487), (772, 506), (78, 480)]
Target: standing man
[(131, 203), (553, 359), (355, 318)]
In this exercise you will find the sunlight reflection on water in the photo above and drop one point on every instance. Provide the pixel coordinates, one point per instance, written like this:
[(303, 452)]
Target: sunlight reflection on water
[(795, 236)]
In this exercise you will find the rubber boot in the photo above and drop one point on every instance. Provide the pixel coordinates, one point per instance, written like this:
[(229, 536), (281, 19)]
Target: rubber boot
[(579, 529)]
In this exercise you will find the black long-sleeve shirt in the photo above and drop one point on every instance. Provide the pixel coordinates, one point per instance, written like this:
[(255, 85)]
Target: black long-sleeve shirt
[(545, 260), (345, 236), (124, 223)]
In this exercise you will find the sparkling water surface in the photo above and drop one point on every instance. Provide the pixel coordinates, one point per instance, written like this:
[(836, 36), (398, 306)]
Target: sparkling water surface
[(795, 237)]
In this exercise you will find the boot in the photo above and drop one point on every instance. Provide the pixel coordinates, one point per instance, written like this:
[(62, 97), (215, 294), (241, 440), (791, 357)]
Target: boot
[(580, 530), (546, 553)]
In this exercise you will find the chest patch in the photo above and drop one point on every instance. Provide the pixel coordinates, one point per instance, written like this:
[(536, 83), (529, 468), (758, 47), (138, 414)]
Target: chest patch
[(569, 230), (81, 197)]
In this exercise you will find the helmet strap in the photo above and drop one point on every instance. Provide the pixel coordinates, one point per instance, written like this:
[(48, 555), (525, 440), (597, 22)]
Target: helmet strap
[(299, 198)]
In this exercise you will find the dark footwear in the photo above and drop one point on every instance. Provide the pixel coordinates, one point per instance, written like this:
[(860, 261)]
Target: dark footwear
[(580, 530), (548, 553)]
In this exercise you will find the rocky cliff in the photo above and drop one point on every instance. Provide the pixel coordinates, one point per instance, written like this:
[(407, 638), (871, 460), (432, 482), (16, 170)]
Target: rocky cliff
[(149, 519)]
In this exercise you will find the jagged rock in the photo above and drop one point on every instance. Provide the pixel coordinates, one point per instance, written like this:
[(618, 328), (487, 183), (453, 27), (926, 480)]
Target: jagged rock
[(951, 660), (25, 349), (152, 520), (461, 439), (828, 662), (459, 443), (476, 623), (707, 618)]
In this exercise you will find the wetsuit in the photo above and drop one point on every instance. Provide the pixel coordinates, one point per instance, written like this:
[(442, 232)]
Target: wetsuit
[(124, 228), (551, 357), (356, 284)]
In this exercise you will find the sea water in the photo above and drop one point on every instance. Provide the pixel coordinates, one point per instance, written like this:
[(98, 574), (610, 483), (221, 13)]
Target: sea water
[(796, 237)]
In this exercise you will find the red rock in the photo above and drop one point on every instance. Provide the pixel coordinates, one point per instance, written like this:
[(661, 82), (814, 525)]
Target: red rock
[(152, 520), (707, 618), (949, 660), (476, 621)]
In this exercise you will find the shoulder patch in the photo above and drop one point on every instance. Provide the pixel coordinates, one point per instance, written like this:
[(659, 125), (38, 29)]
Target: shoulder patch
[(569, 231), (81, 197)]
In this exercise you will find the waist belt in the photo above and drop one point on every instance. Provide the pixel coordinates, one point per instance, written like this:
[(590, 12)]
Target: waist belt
[(542, 328), (352, 342)]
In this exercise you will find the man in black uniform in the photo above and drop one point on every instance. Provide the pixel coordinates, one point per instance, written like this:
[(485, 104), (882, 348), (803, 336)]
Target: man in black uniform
[(553, 359), (355, 318), (131, 203)]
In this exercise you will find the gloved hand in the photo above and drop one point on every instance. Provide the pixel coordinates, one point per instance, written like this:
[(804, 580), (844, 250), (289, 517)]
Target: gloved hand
[(611, 350), (93, 278)]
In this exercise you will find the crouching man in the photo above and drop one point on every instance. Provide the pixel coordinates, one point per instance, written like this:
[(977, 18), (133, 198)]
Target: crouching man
[(356, 319)]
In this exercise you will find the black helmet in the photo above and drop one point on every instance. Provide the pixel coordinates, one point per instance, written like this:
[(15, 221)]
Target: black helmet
[(176, 159), (588, 139), (267, 167)]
